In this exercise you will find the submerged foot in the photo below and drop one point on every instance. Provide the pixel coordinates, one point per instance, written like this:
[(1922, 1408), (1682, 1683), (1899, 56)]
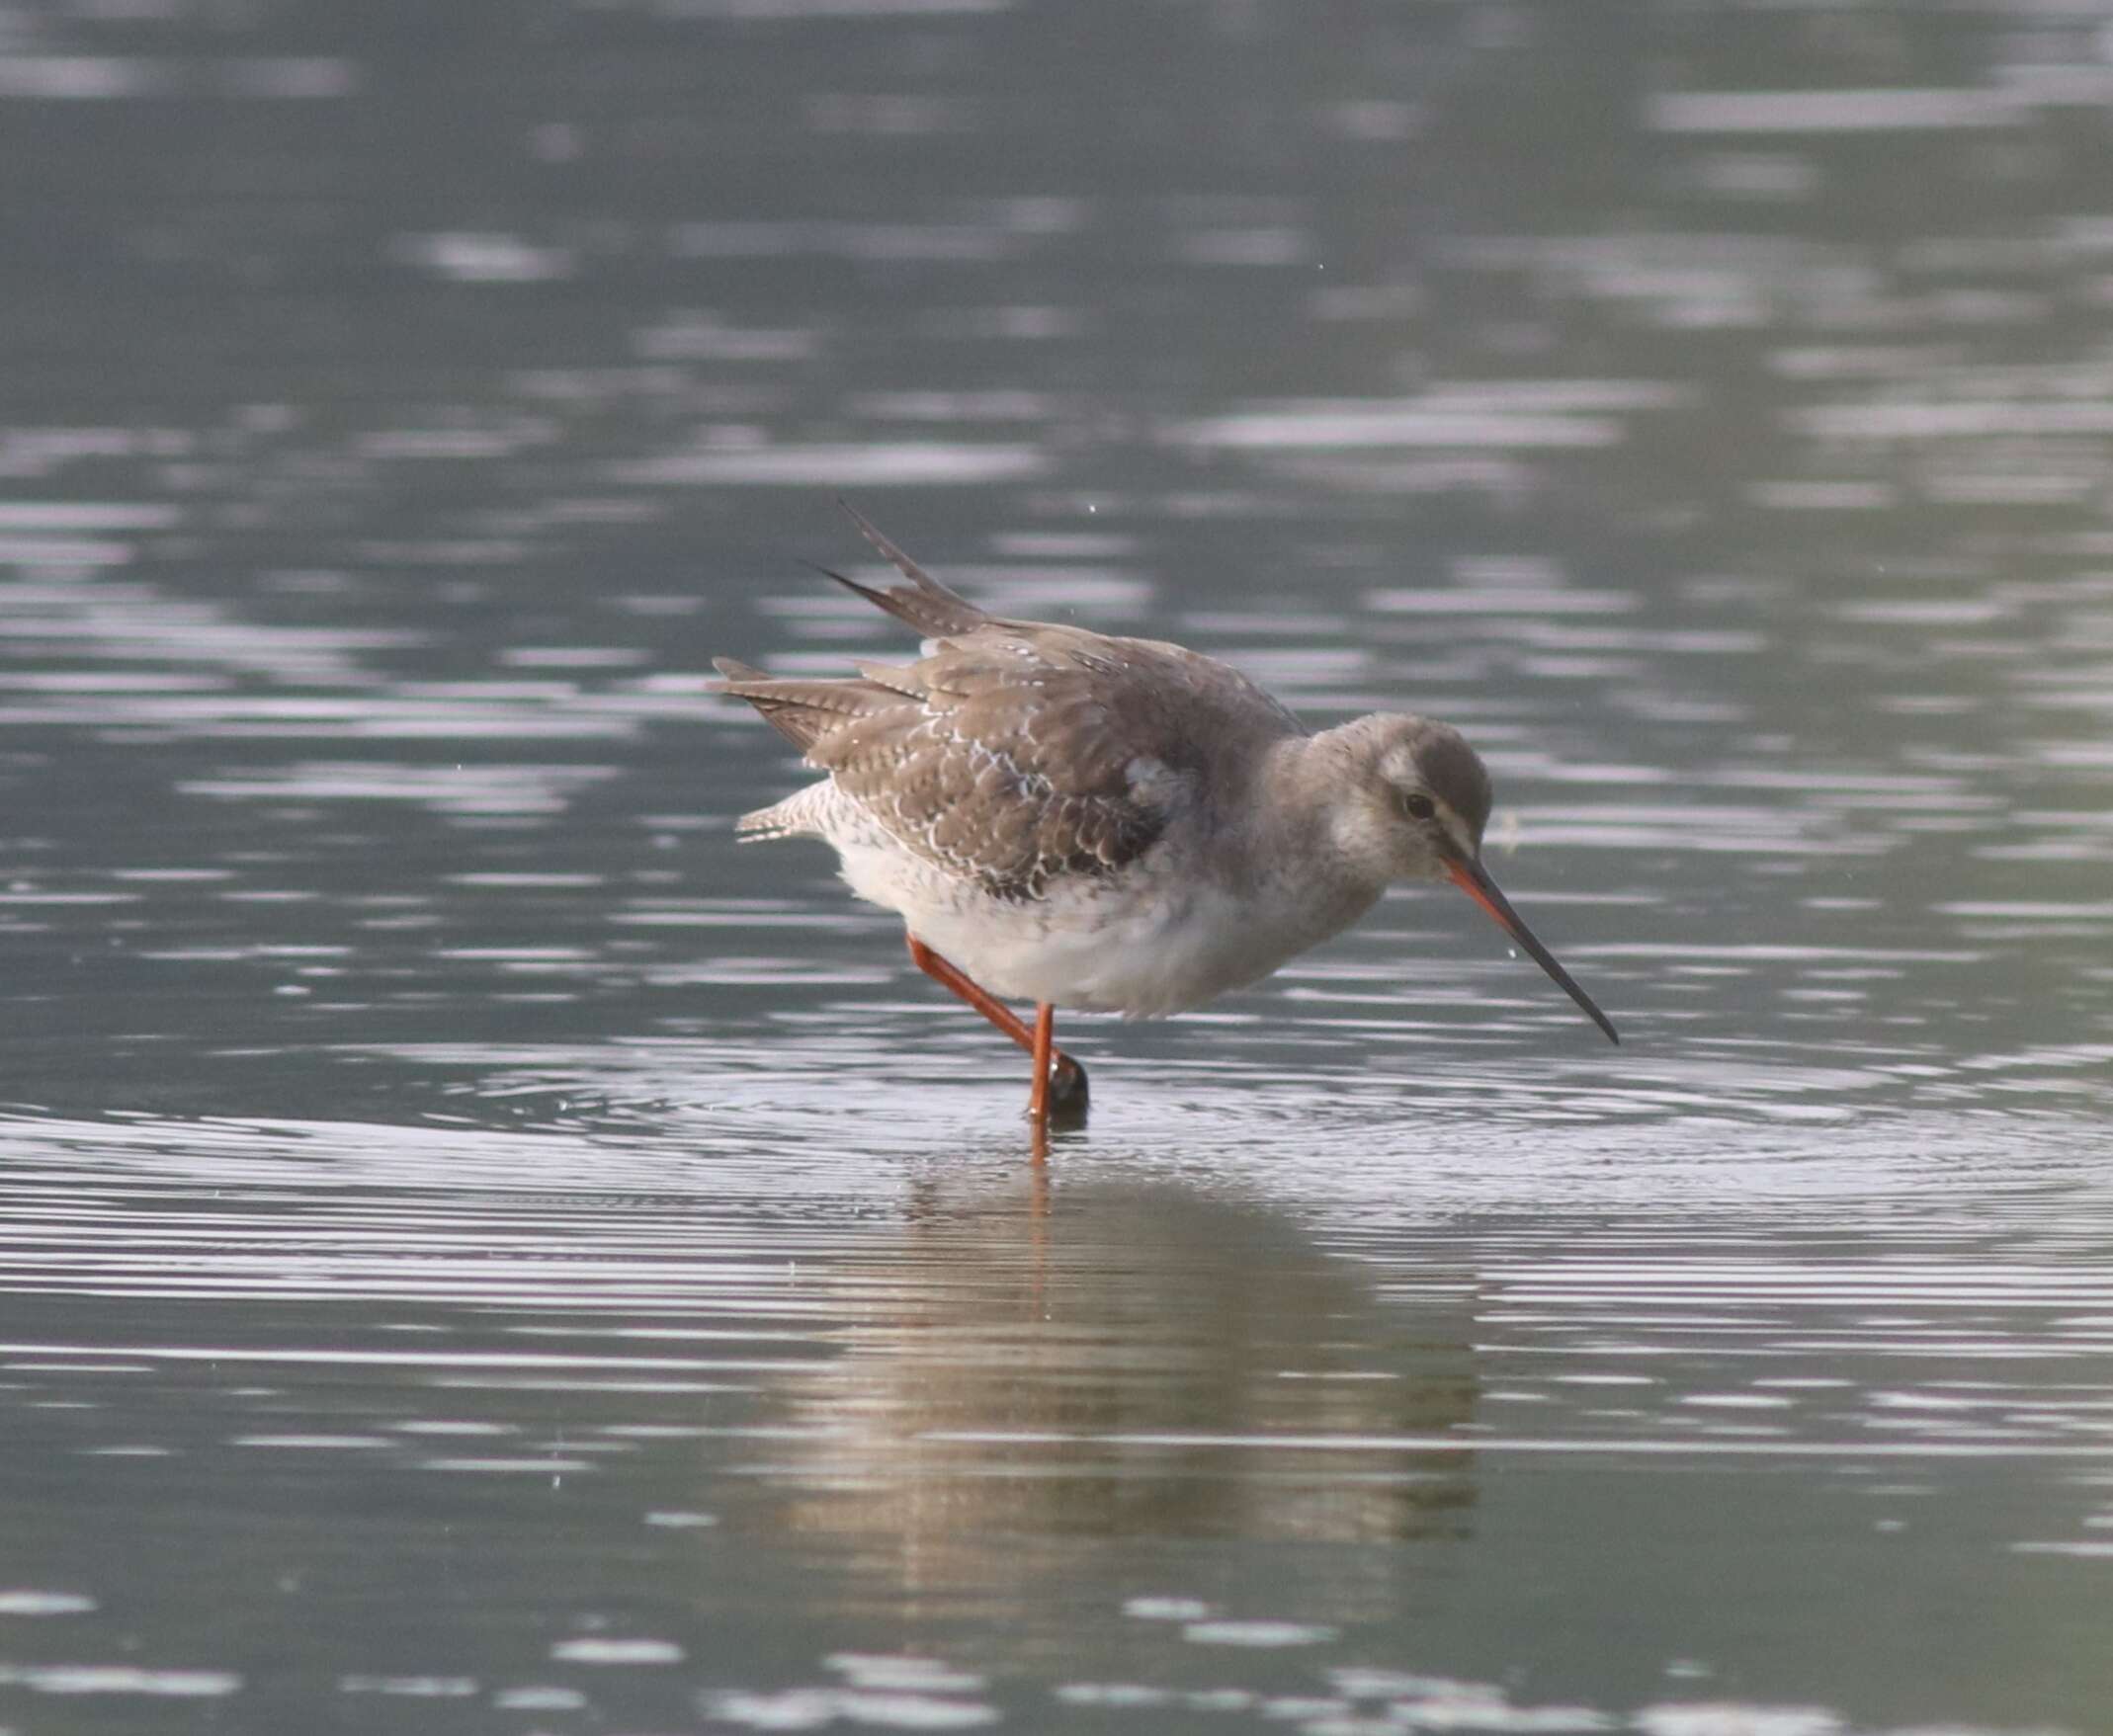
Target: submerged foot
[(1068, 1095)]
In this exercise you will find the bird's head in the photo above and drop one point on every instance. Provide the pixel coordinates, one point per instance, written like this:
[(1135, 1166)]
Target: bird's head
[(1416, 799), (1426, 797)]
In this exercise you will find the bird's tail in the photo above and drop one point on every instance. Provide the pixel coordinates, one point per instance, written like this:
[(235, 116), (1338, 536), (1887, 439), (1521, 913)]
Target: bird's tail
[(797, 816)]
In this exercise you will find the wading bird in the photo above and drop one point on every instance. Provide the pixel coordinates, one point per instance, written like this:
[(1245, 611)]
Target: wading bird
[(1074, 819)]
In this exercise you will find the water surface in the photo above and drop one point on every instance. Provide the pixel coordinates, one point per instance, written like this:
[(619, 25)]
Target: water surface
[(481, 1253)]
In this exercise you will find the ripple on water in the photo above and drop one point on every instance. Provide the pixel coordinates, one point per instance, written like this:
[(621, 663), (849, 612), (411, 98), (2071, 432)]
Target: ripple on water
[(1905, 1288), (120, 1679)]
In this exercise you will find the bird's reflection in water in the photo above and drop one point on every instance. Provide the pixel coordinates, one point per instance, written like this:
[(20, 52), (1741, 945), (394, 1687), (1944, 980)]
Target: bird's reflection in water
[(1042, 1364)]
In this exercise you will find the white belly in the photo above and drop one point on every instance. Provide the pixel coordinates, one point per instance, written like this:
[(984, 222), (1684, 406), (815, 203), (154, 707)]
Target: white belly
[(1144, 943)]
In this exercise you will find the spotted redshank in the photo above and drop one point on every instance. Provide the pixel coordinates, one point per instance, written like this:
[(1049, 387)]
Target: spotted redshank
[(1078, 821)]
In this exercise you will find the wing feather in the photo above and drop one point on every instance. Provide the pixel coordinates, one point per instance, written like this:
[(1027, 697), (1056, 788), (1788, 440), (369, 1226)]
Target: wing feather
[(1031, 752), (1015, 752), (924, 603)]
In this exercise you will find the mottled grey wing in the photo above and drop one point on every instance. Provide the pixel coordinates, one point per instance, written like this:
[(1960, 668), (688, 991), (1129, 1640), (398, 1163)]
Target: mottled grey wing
[(1023, 752)]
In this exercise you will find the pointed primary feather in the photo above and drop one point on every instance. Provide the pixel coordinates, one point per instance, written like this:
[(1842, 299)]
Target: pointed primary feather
[(924, 603)]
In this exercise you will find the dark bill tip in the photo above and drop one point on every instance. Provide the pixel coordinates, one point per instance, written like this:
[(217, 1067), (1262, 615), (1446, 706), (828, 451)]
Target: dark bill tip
[(1474, 879)]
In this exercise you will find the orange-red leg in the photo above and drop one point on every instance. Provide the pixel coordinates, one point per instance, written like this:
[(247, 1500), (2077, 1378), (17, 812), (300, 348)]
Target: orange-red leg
[(1049, 1060), (1038, 1095), (944, 975)]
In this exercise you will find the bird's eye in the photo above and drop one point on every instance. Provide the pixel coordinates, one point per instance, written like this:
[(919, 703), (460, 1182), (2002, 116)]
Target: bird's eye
[(1418, 806)]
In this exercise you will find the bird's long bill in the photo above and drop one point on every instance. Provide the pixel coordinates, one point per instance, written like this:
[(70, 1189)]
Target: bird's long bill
[(1474, 879)]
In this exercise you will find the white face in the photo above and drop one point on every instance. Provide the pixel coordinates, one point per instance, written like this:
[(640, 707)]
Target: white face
[(1394, 827)]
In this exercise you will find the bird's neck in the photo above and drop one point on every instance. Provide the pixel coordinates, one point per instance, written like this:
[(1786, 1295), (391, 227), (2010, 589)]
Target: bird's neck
[(1302, 784)]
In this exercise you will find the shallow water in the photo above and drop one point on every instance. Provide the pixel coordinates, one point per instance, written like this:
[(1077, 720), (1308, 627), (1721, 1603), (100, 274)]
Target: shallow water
[(480, 1252)]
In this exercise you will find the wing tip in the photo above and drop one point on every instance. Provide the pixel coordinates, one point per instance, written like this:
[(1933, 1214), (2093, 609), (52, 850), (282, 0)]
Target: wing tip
[(902, 562), (923, 603), (878, 598), (734, 670)]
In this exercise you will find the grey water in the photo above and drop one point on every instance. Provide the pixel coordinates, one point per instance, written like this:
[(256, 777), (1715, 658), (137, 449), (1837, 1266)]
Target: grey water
[(478, 1253)]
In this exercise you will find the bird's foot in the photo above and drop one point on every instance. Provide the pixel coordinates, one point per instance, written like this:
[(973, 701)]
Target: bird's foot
[(1068, 1096)]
